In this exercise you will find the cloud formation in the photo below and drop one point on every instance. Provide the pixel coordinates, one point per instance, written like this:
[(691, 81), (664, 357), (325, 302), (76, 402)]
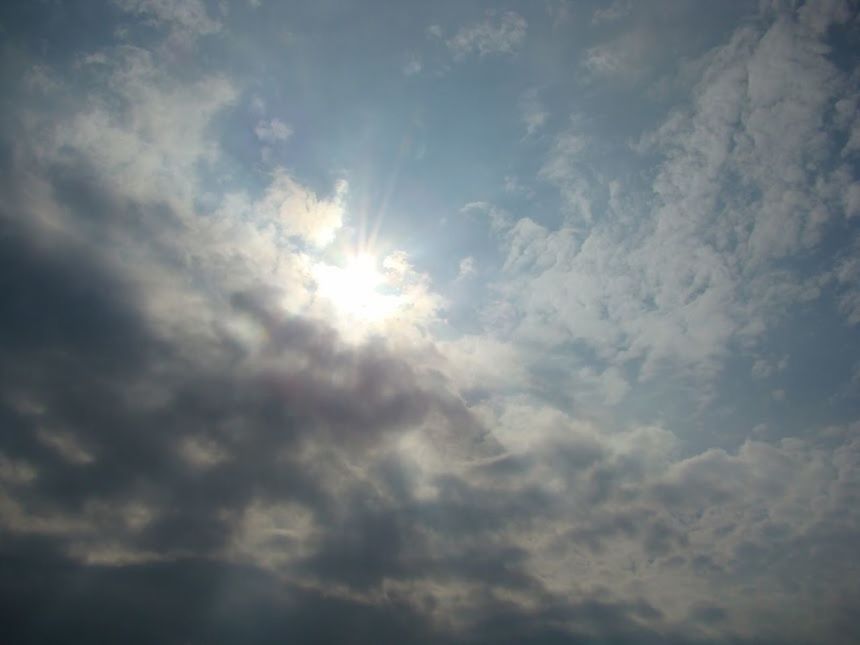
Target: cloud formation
[(613, 401), (498, 33), (273, 131)]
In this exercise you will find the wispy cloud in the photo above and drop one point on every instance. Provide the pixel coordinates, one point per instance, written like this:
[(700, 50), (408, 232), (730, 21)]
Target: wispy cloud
[(273, 131), (499, 34), (186, 20), (412, 66), (534, 114), (466, 268), (617, 10)]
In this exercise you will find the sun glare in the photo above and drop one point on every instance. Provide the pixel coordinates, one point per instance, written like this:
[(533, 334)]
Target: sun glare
[(357, 289)]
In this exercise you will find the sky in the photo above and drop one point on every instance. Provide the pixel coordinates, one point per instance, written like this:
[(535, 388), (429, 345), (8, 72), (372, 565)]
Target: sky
[(430, 322)]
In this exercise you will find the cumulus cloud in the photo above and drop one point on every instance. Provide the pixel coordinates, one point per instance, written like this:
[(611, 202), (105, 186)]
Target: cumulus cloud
[(300, 212)]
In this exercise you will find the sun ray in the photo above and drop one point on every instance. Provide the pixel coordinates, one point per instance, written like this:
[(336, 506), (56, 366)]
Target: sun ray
[(357, 289)]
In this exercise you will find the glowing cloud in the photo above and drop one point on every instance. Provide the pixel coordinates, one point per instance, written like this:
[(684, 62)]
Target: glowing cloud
[(357, 289)]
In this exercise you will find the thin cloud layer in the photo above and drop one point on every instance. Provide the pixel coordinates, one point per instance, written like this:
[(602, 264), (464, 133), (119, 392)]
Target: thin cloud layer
[(309, 335)]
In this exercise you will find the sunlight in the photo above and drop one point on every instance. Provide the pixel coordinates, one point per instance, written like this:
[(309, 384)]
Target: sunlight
[(357, 289)]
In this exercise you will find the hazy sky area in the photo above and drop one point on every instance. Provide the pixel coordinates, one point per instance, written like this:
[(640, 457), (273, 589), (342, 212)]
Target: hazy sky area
[(404, 322)]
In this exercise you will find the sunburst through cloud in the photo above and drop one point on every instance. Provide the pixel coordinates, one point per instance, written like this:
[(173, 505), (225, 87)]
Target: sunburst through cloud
[(492, 322), (359, 289)]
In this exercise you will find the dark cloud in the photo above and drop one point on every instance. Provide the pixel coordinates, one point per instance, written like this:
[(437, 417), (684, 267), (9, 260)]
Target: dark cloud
[(78, 358), (45, 598), (81, 361)]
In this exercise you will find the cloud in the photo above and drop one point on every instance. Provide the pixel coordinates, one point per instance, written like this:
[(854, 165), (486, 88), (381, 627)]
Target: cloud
[(499, 34), (498, 218), (563, 167), (185, 19), (300, 389), (196, 449), (731, 199), (762, 368), (300, 212), (273, 131), (534, 116), (412, 66), (157, 154), (362, 483), (847, 272), (435, 31), (466, 268), (614, 12), (625, 58)]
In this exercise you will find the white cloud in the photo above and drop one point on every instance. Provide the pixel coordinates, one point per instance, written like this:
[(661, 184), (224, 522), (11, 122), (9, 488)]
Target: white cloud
[(629, 509), (480, 362), (499, 218), (763, 368), (66, 445), (533, 112), (149, 150), (202, 453), (564, 167), (300, 212), (675, 277), (611, 384), (616, 11), (412, 66), (272, 131), (186, 19), (819, 15), (847, 274), (499, 33), (624, 57), (466, 268)]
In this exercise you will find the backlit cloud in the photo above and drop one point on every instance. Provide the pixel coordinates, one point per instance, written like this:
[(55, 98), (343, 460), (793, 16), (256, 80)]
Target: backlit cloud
[(523, 351)]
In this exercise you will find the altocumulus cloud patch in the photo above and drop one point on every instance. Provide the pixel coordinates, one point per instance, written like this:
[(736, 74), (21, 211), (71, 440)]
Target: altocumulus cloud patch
[(550, 338)]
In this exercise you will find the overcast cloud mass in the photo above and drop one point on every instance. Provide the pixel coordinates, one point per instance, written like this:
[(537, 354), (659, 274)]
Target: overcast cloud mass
[(430, 322)]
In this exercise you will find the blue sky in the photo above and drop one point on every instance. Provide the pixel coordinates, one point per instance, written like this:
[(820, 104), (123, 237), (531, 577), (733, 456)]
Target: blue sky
[(430, 322)]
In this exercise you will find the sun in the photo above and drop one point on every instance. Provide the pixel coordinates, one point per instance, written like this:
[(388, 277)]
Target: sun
[(357, 289)]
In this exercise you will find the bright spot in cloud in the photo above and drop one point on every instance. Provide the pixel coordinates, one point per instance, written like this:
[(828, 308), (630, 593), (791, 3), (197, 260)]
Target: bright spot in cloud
[(358, 289)]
